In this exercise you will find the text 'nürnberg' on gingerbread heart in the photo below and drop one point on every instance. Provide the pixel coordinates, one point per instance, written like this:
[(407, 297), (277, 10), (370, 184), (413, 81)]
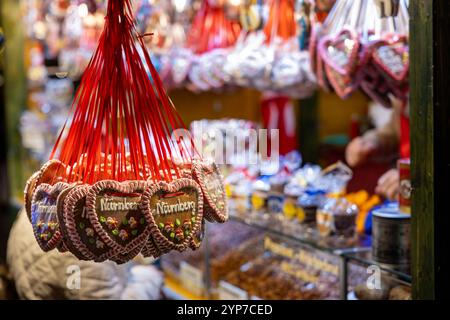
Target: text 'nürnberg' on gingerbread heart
[(176, 212)]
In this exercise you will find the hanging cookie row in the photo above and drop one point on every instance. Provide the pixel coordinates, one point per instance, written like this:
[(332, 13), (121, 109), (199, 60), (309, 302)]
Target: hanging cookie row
[(116, 221)]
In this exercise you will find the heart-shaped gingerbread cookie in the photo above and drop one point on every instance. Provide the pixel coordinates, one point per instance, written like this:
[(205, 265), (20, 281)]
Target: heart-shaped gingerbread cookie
[(122, 258), (175, 211), (208, 176), (392, 57), (114, 212), (79, 234), (44, 217), (343, 85), (341, 52), (198, 237), (47, 174), (151, 249)]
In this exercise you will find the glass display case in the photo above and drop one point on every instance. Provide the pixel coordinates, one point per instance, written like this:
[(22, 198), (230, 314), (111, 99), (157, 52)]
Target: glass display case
[(265, 256)]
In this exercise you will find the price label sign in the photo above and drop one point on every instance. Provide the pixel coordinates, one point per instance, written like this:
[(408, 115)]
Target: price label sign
[(192, 278), (229, 292)]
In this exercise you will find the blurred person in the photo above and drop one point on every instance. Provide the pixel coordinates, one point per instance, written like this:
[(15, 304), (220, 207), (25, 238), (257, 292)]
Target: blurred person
[(384, 144), (40, 275)]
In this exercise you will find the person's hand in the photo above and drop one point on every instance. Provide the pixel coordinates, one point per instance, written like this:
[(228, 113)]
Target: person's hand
[(389, 185), (358, 151)]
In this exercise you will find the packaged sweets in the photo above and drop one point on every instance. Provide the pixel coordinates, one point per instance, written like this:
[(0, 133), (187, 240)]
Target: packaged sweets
[(261, 188)]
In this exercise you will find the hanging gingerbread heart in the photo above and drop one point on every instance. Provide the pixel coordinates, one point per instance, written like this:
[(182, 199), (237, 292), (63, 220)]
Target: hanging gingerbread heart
[(392, 57), (150, 249), (79, 234), (198, 237), (208, 176), (341, 52), (62, 247), (322, 79), (114, 211), (29, 190), (126, 257), (342, 84), (47, 174), (44, 218), (175, 211)]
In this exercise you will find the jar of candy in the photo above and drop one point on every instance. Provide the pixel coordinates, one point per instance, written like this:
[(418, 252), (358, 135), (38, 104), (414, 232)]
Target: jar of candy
[(308, 203), (337, 217)]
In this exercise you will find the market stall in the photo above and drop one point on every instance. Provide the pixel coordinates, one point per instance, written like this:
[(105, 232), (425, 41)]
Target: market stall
[(257, 150)]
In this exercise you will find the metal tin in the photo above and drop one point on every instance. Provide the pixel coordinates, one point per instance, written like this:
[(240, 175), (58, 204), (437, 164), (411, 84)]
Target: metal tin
[(391, 241), (404, 166)]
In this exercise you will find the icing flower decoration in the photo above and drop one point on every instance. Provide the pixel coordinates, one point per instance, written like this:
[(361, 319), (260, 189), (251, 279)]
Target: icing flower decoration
[(112, 223), (89, 232), (179, 235), (123, 234), (187, 224), (52, 226), (45, 236), (168, 227), (41, 225), (99, 244), (132, 222)]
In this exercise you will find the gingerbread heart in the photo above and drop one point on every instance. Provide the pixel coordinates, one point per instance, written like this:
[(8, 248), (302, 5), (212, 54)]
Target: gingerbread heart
[(44, 218), (343, 85), (47, 174), (151, 249), (341, 52), (28, 192), (208, 176), (62, 247), (126, 257), (79, 234), (114, 211), (198, 237), (392, 57), (175, 211), (374, 85)]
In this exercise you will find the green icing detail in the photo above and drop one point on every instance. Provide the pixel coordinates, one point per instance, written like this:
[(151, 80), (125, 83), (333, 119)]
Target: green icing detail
[(91, 240), (172, 235), (193, 220), (102, 219), (178, 222), (124, 221), (134, 232), (161, 225), (82, 225), (142, 221), (115, 232)]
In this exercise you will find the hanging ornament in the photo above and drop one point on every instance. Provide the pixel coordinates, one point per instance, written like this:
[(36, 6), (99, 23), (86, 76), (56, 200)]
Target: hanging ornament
[(121, 181), (355, 48)]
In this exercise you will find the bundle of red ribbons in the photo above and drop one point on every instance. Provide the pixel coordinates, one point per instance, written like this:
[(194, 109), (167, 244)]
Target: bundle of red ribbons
[(122, 180)]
